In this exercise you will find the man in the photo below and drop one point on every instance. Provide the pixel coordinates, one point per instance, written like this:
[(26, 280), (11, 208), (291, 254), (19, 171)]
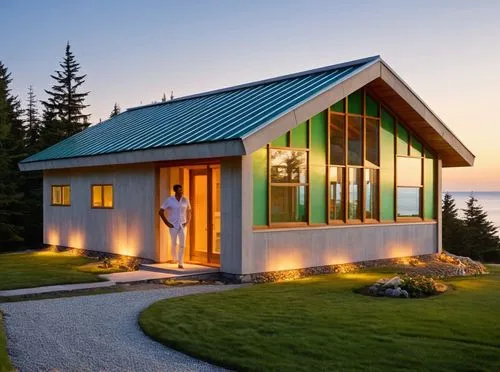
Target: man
[(179, 214)]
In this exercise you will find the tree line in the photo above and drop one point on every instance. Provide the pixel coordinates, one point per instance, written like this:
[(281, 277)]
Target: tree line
[(26, 131), (472, 235)]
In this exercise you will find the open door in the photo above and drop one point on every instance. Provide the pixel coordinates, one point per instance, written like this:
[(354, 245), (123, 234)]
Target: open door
[(205, 222)]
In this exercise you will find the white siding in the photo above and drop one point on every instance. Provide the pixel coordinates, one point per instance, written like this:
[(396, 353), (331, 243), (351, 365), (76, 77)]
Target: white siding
[(236, 212), (128, 228), (282, 249)]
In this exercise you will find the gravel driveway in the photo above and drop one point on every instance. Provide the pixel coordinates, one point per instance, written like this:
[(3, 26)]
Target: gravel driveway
[(94, 333)]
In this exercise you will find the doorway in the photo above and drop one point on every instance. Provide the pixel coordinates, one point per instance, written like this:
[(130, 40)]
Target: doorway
[(204, 195)]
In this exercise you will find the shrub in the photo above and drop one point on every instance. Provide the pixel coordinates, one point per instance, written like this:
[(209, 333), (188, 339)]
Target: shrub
[(419, 285)]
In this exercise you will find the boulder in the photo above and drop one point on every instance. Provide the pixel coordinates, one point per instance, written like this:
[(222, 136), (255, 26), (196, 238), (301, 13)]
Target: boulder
[(388, 292), (405, 293), (396, 292), (394, 282)]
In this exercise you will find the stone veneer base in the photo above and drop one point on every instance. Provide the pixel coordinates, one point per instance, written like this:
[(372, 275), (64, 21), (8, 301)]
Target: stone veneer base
[(439, 266)]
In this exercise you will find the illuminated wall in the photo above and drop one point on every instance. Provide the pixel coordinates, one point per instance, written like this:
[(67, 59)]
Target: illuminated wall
[(128, 228)]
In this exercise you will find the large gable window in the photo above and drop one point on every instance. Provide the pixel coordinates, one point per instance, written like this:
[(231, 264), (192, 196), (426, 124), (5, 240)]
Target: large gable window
[(355, 162), (354, 131)]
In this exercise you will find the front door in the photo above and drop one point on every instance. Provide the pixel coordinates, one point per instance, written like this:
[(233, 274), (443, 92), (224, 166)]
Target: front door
[(205, 221)]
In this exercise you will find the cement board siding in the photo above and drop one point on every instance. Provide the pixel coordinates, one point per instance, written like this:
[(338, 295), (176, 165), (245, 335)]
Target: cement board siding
[(299, 248), (128, 228)]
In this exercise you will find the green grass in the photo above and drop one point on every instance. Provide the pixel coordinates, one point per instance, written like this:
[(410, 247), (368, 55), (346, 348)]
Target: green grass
[(5, 365), (36, 269), (319, 323)]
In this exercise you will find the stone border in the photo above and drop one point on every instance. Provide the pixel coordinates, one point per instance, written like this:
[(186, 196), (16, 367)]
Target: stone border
[(449, 266), (95, 254)]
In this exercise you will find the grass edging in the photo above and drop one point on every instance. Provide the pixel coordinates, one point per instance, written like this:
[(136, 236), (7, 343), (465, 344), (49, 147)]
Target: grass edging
[(320, 323), (5, 365)]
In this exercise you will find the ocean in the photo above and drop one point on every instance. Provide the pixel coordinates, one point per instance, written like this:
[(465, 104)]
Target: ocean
[(489, 200)]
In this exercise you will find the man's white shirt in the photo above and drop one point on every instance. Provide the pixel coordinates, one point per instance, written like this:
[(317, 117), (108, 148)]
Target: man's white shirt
[(176, 210)]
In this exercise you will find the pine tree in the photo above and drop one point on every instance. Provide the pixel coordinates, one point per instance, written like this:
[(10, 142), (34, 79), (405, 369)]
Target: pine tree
[(11, 151), (32, 123), (452, 227), (64, 100), (481, 236), (53, 129), (116, 111)]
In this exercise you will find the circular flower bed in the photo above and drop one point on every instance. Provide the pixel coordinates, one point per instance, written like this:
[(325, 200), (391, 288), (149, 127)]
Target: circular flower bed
[(405, 286)]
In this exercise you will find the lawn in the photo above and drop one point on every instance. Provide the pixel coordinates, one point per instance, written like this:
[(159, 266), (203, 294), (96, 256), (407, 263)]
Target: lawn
[(5, 365), (319, 323), (36, 269)]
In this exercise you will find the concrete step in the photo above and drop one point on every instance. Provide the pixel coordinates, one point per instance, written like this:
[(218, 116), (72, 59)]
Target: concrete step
[(189, 269)]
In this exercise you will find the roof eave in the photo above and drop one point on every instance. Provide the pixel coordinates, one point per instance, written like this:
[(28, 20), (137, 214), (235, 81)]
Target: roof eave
[(205, 150)]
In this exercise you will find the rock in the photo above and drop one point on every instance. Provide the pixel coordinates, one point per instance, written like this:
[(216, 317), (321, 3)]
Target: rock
[(394, 282), (396, 292), (405, 293), (381, 293), (373, 290), (388, 292), (380, 281)]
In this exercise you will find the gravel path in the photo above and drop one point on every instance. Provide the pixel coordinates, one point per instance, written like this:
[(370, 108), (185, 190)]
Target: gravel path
[(94, 333)]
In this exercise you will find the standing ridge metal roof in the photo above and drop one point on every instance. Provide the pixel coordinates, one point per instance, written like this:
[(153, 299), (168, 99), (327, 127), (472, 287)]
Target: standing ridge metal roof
[(220, 115)]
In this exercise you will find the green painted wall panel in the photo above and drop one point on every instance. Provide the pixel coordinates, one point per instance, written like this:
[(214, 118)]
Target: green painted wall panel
[(355, 102), (317, 160), (339, 106), (281, 141), (259, 159), (403, 140), (372, 108), (387, 174), (429, 189), (299, 136)]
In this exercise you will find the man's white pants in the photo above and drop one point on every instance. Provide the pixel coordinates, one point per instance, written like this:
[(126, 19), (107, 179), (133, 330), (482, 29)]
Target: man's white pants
[(180, 235)]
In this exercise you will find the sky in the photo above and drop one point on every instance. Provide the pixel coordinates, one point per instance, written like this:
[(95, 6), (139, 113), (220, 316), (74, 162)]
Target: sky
[(134, 51)]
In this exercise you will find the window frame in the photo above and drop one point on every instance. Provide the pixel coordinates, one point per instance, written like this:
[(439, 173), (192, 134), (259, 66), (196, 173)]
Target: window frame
[(426, 153), (365, 164), (61, 204), (270, 147), (92, 206)]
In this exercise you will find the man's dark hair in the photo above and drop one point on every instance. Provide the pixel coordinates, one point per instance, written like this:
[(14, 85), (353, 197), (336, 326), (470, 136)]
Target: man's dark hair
[(177, 187)]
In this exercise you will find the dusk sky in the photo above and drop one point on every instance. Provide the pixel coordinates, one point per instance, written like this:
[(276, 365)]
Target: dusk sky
[(134, 51)]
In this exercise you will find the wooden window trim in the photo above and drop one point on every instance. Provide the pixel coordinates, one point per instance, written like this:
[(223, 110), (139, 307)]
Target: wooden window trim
[(298, 184), (61, 204), (102, 196)]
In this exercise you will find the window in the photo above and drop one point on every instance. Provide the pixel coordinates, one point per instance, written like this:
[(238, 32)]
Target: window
[(102, 196), (355, 140), (371, 194), (354, 159), (337, 139), (61, 195), (337, 193), (288, 170), (354, 210), (409, 182)]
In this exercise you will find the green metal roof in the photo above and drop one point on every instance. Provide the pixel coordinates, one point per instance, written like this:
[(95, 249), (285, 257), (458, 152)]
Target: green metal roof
[(226, 114)]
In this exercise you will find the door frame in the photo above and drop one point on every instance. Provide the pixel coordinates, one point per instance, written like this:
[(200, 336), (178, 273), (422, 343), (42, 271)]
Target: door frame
[(209, 257)]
